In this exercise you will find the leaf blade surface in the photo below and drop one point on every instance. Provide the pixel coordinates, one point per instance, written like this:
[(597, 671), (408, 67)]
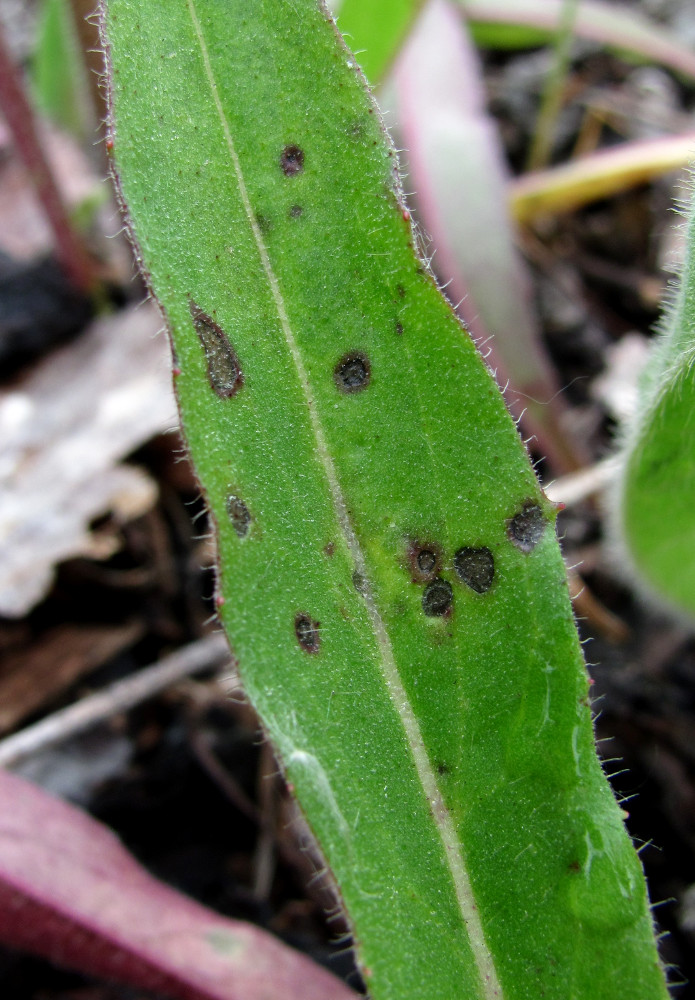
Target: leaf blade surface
[(434, 733)]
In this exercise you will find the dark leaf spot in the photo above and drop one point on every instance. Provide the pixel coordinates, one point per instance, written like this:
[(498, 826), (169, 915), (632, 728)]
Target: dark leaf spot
[(442, 768), (359, 582), (239, 515), (424, 561), (352, 373), (526, 528), (438, 598), (475, 568), (575, 866), (292, 161), (399, 328), (296, 211), (329, 549), (307, 632), (401, 291), (224, 371), (264, 223)]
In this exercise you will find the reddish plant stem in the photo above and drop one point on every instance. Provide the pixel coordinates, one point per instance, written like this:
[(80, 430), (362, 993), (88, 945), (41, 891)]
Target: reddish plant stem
[(20, 118)]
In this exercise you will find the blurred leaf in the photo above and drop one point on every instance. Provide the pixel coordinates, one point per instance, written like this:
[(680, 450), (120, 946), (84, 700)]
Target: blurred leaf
[(653, 515), (59, 74), (375, 30), (70, 892)]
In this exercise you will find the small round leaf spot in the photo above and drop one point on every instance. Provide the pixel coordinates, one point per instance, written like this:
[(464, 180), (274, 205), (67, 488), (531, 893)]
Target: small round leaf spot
[(437, 598), (526, 528), (475, 568), (353, 372), (426, 560), (307, 632), (239, 515), (296, 211), (292, 161)]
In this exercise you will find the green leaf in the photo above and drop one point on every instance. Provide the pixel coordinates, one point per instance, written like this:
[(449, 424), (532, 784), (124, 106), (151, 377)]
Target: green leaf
[(59, 75), (653, 516), (456, 167), (376, 30), (393, 590)]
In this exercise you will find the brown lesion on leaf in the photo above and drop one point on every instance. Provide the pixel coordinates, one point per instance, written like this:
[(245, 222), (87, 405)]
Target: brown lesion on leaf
[(475, 567), (292, 160), (224, 370), (307, 632), (353, 372), (525, 529), (239, 515), (424, 561), (438, 599)]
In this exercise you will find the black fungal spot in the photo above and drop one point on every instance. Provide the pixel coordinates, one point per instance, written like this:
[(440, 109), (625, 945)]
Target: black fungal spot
[(239, 515), (442, 769), (353, 372), (296, 211), (292, 161), (399, 328), (224, 371), (307, 632), (475, 568), (437, 598), (359, 582), (401, 291), (526, 528)]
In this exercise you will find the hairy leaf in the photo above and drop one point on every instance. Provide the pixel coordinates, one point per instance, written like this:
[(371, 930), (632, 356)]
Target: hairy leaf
[(653, 515), (392, 587), (456, 167)]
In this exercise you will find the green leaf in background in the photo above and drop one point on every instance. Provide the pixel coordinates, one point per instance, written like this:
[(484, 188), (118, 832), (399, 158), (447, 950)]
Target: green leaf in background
[(391, 583), (59, 75), (653, 515), (376, 29)]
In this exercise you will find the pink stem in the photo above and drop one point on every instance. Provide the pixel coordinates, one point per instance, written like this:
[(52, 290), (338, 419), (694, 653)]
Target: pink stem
[(20, 119)]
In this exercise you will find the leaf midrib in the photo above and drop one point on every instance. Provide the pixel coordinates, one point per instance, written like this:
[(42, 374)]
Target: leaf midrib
[(491, 989)]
